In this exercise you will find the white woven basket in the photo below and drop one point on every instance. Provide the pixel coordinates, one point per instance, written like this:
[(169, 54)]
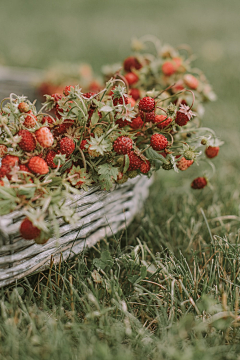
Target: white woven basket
[(102, 214)]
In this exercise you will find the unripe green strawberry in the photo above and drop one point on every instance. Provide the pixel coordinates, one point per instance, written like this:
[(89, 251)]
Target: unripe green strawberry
[(132, 174)]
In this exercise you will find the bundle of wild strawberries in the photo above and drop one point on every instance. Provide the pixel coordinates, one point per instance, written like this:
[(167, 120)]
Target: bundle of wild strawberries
[(77, 140)]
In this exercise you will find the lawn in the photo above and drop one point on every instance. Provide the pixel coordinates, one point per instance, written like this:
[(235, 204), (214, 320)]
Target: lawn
[(168, 286)]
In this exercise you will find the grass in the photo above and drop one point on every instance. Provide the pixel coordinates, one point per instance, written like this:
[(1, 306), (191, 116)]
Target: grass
[(168, 287)]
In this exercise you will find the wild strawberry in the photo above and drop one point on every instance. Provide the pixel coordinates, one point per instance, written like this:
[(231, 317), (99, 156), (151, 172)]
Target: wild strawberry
[(122, 145), (177, 61), (95, 86), (134, 161), (30, 120), (62, 128), (184, 164), (167, 166), (38, 166), (5, 171), (131, 63), (212, 151), (23, 107), (168, 68), (158, 142), (67, 146), (82, 145), (145, 167), (3, 150), (49, 159), (162, 121), (47, 119), (28, 231), (1, 183), (23, 167), (147, 116), (67, 89), (122, 179), (136, 123), (132, 174), (121, 123), (88, 95), (199, 183), (135, 93), (131, 101), (44, 137), (191, 81), (178, 86), (146, 104), (119, 100), (27, 142), (56, 97), (184, 114), (10, 160), (131, 78)]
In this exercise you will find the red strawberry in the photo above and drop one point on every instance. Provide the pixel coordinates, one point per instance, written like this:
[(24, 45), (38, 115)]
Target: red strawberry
[(131, 63), (119, 101), (38, 166), (67, 89), (23, 107), (23, 167), (67, 146), (28, 231), (162, 121), (145, 167), (47, 119), (158, 142), (56, 97), (10, 160), (49, 159), (177, 61), (121, 123), (184, 114), (94, 86), (134, 161), (191, 81), (168, 68), (30, 120), (82, 145), (212, 151), (146, 104), (184, 164), (62, 128), (136, 123), (199, 183), (5, 171), (131, 101), (88, 95), (1, 183), (135, 93), (178, 86), (147, 116), (122, 145), (3, 150), (44, 137), (28, 142), (131, 78)]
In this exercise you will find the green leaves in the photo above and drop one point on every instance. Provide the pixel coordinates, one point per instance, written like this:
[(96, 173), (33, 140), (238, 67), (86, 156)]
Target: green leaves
[(155, 158), (107, 173)]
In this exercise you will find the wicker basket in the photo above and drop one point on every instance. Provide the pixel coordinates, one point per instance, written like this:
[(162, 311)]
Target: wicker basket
[(102, 214)]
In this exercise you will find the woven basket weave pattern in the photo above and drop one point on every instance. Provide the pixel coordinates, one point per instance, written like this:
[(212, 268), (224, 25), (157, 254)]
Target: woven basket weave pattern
[(101, 214)]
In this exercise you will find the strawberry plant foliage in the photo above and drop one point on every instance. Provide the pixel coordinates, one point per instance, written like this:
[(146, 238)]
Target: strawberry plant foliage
[(78, 140)]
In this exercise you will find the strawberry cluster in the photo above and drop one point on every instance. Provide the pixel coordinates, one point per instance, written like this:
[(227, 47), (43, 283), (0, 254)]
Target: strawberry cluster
[(80, 139)]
